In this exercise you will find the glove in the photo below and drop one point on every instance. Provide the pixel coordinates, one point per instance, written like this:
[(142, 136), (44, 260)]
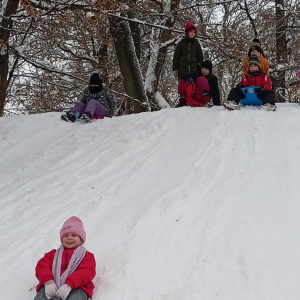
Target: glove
[(240, 86), (63, 292), (175, 74), (50, 290), (259, 90), (205, 92), (190, 79)]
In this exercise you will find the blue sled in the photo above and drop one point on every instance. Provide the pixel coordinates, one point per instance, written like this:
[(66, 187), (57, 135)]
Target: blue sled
[(251, 97)]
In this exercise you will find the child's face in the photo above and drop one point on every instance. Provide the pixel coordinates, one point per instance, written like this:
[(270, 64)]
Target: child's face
[(204, 71), (71, 240), (253, 68), (255, 52), (192, 34)]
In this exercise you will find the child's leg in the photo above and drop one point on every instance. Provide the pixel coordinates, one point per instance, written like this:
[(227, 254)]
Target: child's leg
[(236, 95), (41, 294), (78, 107), (267, 97), (201, 86), (181, 88), (78, 294), (95, 108)]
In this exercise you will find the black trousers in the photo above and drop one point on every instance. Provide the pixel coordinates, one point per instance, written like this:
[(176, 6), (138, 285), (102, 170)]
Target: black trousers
[(266, 96)]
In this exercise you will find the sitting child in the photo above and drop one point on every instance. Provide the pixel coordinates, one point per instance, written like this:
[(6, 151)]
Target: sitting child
[(68, 271), (257, 50), (193, 91), (254, 77), (97, 102), (214, 93)]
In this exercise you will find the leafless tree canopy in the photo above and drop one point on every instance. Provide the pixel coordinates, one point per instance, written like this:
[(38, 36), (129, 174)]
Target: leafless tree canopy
[(49, 48)]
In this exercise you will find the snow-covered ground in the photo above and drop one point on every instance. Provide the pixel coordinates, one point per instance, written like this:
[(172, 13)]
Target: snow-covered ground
[(180, 204)]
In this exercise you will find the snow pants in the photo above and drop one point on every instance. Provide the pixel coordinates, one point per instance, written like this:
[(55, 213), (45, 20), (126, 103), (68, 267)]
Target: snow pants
[(266, 96), (201, 84), (96, 109), (76, 294)]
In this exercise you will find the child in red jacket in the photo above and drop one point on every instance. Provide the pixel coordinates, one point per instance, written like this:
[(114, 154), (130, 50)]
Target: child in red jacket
[(68, 271), (254, 77)]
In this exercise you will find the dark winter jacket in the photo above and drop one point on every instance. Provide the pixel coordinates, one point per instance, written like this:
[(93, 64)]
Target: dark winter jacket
[(104, 97), (81, 278), (259, 80), (213, 88), (188, 57)]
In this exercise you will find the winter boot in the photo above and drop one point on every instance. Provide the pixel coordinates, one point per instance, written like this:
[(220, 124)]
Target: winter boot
[(268, 107), (206, 98), (209, 104), (87, 117), (69, 117), (182, 102), (231, 105)]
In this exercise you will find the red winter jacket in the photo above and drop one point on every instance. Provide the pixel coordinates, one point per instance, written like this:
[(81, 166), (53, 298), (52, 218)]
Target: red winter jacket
[(81, 278), (259, 80)]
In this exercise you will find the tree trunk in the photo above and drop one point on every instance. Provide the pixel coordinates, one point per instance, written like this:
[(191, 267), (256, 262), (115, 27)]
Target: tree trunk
[(158, 55), (7, 9), (136, 34), (281, 51), (129, 64)]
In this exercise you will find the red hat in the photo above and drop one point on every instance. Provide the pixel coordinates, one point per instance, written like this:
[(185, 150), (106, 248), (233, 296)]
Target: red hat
[(73, 225), (189, 27)]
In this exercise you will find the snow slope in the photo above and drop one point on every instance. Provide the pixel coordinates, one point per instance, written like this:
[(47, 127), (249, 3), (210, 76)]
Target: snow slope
[(181, 204)]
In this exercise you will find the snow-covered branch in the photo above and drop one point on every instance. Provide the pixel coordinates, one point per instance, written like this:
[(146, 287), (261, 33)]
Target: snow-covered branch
[(42, 65)]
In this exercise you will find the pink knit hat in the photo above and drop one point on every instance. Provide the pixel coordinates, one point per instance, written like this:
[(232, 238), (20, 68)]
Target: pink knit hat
[(73, 225), (189, 27)]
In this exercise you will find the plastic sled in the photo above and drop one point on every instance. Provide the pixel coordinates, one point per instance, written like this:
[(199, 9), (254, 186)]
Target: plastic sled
[(251, 97), (191, 93)]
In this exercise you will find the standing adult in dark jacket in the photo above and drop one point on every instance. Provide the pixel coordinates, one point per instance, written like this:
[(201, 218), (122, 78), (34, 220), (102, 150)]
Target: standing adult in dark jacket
[(187, 59), (206, 71), (188, 54)]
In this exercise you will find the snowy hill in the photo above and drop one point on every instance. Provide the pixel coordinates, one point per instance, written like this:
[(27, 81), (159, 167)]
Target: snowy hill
[(180, 204)]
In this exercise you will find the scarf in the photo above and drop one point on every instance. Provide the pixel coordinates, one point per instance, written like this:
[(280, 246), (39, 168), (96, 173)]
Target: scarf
[(95, 89), (75, 261)]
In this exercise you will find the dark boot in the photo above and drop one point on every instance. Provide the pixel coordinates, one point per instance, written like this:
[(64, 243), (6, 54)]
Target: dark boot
[(69, 117), (87, 117), (207, 98), (182, 102)]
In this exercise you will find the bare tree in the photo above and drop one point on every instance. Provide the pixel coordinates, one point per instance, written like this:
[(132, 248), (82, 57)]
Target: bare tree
[(7, 10)]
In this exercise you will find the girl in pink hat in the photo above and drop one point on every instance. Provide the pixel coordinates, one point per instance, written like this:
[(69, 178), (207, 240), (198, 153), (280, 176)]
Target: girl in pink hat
[(67, 272), (187, 59)]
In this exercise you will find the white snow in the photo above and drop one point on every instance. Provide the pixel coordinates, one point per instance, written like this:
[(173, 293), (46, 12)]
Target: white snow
[(3, 6), (90, 14), (180, 204), (161, 100)]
